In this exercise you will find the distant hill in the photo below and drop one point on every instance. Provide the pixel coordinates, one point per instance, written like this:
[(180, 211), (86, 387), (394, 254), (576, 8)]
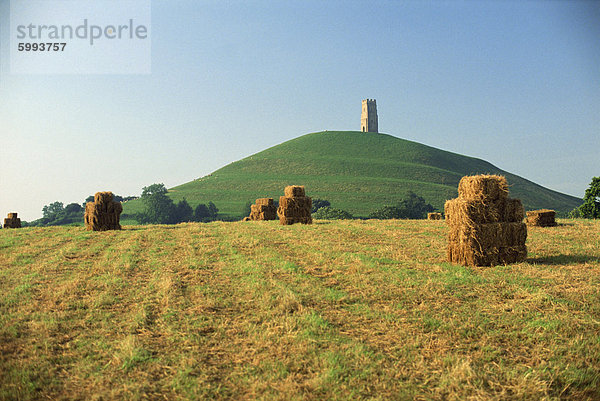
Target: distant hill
[(356, 171)]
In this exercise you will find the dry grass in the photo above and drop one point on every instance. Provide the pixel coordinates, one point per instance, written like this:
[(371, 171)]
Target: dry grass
[(333, 310)]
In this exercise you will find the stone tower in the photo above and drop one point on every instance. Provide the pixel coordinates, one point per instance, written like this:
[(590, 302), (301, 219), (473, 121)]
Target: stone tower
[(368, 118)]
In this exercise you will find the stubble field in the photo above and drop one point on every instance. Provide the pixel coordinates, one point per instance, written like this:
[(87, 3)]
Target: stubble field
[(333, 310)]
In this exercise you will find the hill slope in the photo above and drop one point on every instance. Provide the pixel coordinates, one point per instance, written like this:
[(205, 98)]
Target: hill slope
[(355, 171)]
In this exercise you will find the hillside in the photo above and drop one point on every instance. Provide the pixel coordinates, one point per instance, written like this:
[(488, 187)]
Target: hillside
[(346, 310), (355, 171)]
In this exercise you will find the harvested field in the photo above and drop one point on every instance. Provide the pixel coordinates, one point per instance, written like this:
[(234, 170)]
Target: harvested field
[(329, 311)]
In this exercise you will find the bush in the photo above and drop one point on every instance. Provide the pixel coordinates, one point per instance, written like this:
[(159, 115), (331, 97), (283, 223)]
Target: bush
[(412, 207), (318, 204), (247, 209), (329, 213)]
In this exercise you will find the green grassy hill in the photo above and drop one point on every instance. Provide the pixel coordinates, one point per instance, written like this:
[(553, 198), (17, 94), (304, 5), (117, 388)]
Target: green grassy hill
[(355, 171)]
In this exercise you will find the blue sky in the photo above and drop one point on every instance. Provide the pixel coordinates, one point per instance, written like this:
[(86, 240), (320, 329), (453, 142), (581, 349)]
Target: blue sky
[(515, 83)]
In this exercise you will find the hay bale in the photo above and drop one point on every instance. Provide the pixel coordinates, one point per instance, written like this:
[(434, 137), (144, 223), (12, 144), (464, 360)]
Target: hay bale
[(541, 218), (514, 211), (265, 201), (434, 216), (294, 206), (484, 187), (485, 227), (263, 209), (12, 221), (292, 191), (476, 211), (103, 213)]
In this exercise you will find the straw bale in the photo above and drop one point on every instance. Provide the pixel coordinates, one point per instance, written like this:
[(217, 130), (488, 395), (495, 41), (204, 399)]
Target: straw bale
[(103, 197), (12, 221), (286, 221), (264, 209), (302, 202), (434, 216), (102, 214), (493, 256), (485, 226), (541, 218), (514, 211), (479, 212), (294, 191), (265, 201), (472, 211), (489, 235), (484, 187), (294, 207)]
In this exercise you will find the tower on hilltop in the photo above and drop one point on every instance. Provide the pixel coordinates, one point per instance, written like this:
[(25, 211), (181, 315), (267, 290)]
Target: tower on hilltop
[(368, 118)]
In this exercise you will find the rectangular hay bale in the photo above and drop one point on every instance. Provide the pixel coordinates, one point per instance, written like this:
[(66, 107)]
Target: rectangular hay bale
[(487, 187), (487, 244), (264, 201), (294, 191), (541, 218)]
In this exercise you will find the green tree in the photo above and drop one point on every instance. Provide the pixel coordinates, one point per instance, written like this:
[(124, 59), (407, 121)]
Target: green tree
[(184, 212), (201, 213), (319, 203), (158, 207), (329, 213), (51, 210), (212, 210), (247, 209), (73, 208), (55, 214), (590, 209), (411, 207), (415, 207), (386, 212)]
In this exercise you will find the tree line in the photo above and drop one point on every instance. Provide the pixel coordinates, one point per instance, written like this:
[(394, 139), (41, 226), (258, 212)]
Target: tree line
[(160, 209)]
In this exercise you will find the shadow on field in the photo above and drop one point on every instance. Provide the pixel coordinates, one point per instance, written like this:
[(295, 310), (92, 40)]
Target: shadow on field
[(564, 260)]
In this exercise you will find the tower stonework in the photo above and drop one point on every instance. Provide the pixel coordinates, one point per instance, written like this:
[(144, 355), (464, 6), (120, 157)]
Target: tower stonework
[(368, 118)]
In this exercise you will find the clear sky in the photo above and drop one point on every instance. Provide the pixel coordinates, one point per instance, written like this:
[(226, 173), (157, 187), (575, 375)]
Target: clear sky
[(516, 83)]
